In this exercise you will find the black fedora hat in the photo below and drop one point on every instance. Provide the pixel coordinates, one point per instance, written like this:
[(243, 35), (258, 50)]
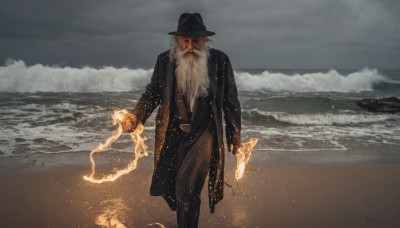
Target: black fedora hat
[(191, 25)]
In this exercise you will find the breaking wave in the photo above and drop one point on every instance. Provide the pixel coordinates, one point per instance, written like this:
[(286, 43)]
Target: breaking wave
[(15, 76), (321, 119), (331, 81)]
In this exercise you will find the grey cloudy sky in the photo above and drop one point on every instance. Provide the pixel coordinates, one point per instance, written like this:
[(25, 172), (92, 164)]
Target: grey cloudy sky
[(291, 34)]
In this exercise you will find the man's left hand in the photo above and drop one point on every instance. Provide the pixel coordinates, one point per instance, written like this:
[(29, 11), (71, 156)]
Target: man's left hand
[(234, 149), (129, 122)]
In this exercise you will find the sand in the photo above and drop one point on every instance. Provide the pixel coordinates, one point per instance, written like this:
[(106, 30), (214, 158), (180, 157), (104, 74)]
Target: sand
[(48, 191)]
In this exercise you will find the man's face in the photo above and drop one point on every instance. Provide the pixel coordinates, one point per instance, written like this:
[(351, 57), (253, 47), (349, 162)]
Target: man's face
[(190, 43)]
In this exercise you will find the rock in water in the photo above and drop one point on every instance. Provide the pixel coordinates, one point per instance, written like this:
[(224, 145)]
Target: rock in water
[(389, 105)]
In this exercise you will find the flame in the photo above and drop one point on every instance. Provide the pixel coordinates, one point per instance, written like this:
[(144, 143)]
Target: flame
[(138, 141), (243, 157), (119, 115)]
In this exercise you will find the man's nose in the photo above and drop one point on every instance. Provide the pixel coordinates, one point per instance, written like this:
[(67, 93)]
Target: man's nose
[(190, 44)]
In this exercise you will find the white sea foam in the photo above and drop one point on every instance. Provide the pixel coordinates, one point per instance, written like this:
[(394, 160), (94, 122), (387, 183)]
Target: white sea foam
[(52, 128), (325, 138), (330, 81), (330, 119), (326, 118), (28, 128), (17, 77)]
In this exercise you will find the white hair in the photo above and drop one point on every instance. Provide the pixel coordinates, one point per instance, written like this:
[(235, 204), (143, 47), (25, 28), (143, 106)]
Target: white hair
[(191, 70)]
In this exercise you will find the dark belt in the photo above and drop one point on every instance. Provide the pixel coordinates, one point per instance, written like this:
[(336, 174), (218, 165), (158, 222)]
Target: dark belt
[(185, 127)]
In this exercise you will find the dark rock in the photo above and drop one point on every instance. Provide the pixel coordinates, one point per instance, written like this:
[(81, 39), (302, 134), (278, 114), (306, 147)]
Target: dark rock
[(389, 105)]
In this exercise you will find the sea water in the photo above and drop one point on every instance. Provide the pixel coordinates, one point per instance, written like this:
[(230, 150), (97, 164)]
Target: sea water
[(297, 115)]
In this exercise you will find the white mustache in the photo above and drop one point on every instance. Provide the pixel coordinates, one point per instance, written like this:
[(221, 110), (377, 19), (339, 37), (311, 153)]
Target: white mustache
[(186, 51)]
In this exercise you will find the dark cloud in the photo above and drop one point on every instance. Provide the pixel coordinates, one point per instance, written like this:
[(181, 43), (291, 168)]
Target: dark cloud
[(255, 34)]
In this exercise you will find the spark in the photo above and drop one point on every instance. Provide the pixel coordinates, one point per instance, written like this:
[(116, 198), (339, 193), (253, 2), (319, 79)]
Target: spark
[(243, 157), (138, 141)]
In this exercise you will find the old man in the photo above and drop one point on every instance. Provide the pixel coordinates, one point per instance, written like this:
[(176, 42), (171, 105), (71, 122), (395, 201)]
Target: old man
[(194, 87)]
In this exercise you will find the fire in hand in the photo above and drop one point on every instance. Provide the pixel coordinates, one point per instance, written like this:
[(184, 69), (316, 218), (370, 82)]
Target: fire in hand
[(243, 157), (138, 141)]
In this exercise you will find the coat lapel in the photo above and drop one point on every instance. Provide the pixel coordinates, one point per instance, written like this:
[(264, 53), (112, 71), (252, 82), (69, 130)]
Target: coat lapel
[(170, 81), (212, 74)]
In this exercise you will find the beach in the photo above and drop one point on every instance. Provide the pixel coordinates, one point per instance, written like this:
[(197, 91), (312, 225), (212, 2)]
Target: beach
[(42, 190), (320, 160), (318, 86)]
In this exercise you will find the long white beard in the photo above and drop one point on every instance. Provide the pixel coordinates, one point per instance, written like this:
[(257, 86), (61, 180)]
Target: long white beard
[(192, 73)]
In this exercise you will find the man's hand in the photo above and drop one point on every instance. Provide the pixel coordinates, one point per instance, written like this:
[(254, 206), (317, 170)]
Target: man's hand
[(234, 149), (129, 122)]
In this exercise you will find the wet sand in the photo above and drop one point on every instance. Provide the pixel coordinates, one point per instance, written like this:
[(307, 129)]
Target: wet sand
[(48, 191)]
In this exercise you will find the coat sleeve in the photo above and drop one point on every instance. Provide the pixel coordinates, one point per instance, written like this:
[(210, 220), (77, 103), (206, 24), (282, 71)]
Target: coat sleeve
[(231, 107), (151, 97)]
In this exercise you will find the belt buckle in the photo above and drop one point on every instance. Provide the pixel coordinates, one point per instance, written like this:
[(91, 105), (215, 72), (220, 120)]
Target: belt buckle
[(185, 127)]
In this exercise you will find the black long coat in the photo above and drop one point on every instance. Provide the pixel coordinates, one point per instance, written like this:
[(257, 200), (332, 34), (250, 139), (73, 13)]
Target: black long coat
[(224, 97)]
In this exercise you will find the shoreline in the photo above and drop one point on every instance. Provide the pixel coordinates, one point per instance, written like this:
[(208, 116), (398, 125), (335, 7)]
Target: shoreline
[(269, 195), (115, 158)]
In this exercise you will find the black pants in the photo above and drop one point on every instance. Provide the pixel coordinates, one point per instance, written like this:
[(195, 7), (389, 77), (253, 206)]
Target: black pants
[(194, 162)]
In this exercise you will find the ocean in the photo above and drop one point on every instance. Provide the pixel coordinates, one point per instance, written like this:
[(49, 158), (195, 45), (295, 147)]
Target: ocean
[(298, 115)]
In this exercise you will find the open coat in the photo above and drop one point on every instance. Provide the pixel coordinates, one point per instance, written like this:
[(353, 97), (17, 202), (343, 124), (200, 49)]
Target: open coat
[(224, 100)]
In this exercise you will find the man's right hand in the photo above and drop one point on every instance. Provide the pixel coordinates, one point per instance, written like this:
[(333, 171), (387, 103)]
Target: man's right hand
[(234, 149), (129, 122)]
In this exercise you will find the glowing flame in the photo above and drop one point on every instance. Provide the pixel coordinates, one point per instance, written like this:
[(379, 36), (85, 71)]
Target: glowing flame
[(140, 149), (119, 115), (243, 157)]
